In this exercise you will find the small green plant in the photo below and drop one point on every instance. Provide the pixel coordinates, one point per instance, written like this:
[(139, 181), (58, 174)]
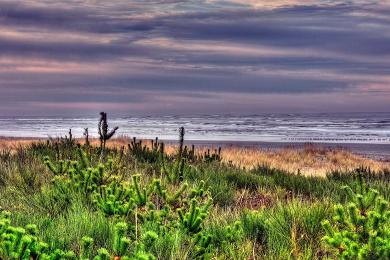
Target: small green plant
[(233, 232), (87, 180), (103, 254), (145, 154), (170, 198), (59, 168), (86, 248), (202, 244), (78, 174), (198, 191), (361, 229), (23, 243), (191, 221), (142, 248), (115, 199), (141, 194), (177, 171), (121, 242)]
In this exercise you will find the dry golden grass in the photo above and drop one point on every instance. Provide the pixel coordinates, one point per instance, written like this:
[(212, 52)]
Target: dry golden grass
[(11, 143), (310, 160)]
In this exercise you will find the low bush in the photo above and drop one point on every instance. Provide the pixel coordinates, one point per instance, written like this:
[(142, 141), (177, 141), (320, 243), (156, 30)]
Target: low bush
[(360, 230)]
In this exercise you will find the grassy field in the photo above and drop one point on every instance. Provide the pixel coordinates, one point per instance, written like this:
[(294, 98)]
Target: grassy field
[(131, 201)]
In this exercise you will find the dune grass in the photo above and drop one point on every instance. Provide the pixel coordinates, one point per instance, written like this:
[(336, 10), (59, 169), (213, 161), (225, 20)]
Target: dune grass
[(262, 211), (311, 160)]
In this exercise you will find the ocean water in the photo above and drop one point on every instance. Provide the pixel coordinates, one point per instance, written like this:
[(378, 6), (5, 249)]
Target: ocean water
[(364, 128)]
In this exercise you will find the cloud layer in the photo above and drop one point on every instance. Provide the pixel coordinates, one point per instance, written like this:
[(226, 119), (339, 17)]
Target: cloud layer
[(172, 56)]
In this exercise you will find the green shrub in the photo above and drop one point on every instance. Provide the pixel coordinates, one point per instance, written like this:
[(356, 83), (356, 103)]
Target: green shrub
[(114, 199), (176, 171), (143, 153), (191, 221), (361, 229)]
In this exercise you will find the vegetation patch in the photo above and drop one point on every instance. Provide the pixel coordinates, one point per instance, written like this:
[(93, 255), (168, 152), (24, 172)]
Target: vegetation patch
[(66, 199)]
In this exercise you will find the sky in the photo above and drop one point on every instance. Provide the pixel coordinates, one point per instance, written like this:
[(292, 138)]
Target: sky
[(152, 57)]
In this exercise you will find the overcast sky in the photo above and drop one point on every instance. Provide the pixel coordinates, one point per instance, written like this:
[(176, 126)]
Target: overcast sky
[(78, 57)]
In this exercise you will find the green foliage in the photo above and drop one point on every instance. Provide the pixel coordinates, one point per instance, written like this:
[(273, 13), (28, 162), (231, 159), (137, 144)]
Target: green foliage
[(248, 180), (54, 199), (115, 199), (141, 194), (77, 174), (361, 229), (83, 162), (170, 198), (20, 243), (176, 171), (191, 221), (87, 180), (59, 168), (291, 228), (202, 244), (103, 254), (199, 190), (145, 154), (360, 173), (86, 248), (142, 249), (121, 242)]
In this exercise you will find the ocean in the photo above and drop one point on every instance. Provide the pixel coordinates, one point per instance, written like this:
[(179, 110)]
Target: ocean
[(369, 128)]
